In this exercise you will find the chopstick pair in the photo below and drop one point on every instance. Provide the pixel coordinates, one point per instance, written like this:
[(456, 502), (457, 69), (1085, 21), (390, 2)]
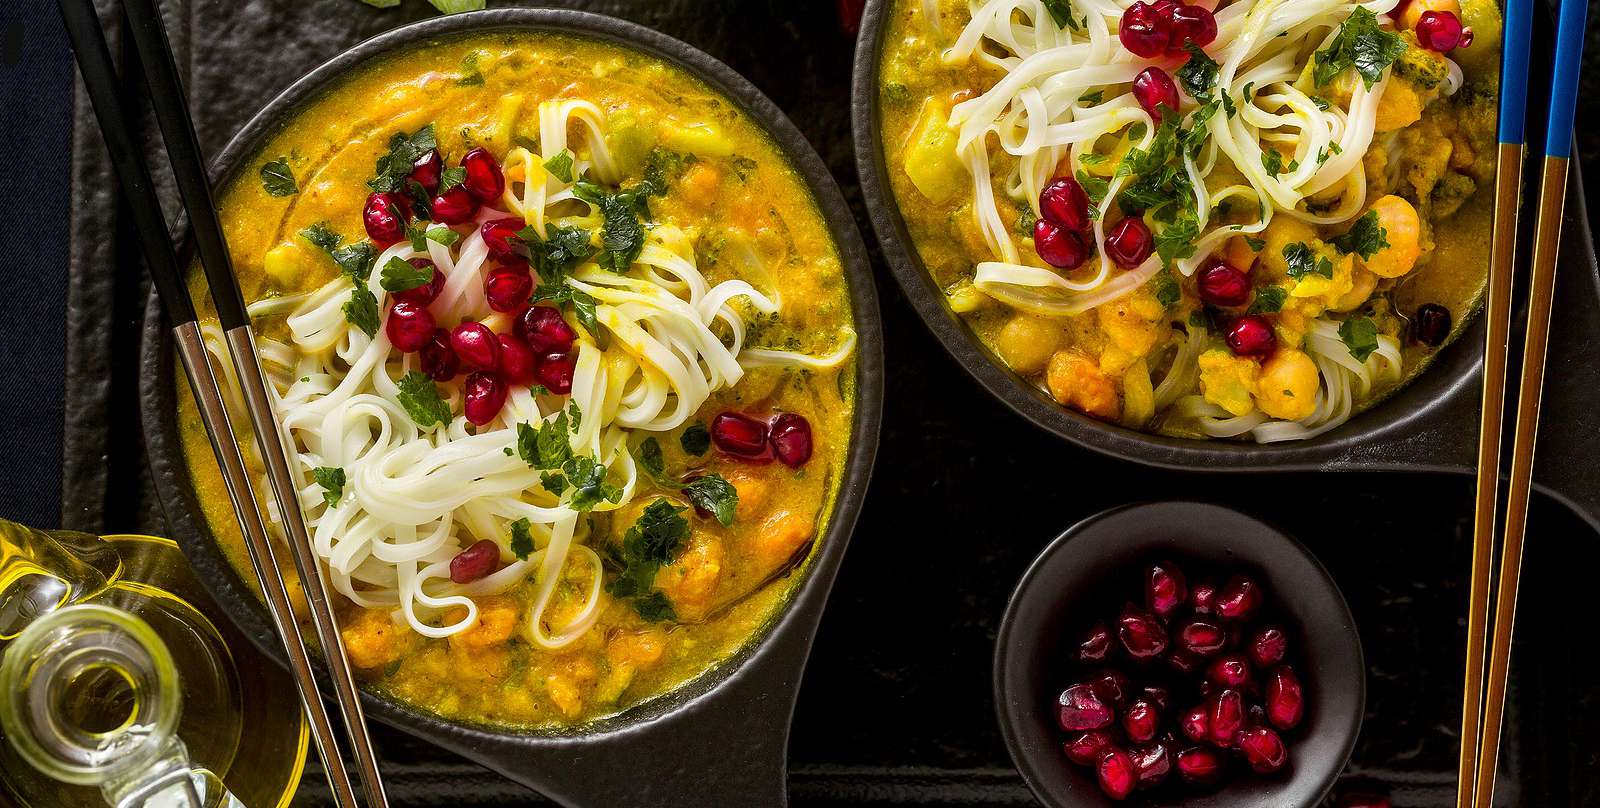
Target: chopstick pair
[(1483, 701), (166, 92)]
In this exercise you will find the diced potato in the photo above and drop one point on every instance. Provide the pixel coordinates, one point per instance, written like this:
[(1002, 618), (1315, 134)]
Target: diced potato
[(1138, 396), (1132, 322), (1229, 381), (637, 648), (497, 136), (286, 263), (700, 138), (966, 299), (930, 157)]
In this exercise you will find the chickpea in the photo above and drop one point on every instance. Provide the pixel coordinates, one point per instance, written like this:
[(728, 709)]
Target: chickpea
[(1077, 382), (1362, 283), (1026, 343), (1403, 231), (1287, 387), (1280, 233), (1414, 10)]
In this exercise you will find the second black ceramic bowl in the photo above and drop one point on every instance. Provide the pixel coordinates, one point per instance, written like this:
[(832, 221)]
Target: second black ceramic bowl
[(1090, 569)]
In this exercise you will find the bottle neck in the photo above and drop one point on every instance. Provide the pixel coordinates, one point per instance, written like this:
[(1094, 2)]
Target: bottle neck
[(41, 571)]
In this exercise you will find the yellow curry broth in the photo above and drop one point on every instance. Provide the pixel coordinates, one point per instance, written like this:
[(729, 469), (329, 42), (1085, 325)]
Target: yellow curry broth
[(1446, 171), (748, 214)]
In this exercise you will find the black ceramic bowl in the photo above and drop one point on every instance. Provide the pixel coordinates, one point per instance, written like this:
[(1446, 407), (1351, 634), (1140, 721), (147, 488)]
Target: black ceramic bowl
[(722, 736), (1427, 404), (1085, 571)]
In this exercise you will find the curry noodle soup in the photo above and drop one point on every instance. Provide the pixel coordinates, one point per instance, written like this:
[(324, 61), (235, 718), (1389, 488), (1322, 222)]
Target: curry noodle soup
[(1226, 219), (564, 348)]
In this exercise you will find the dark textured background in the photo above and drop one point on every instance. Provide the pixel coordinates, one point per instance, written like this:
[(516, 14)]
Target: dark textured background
[(895, 707)]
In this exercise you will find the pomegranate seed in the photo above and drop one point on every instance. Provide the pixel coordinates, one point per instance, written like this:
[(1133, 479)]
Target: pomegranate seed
[(1263, 749), (1154, 88), (1196, 724), (1227, 717), (1199, 766), (1085, 749), (1231, 671), (1142, 31), (1239, 596), (1080, 708), (1268, 647), (1165, 589), (508, 287), (1203, 597), (1097, 646), (476, 346), (1130, 242), (1112, 687), (1285, 700), (438, 358), (497, 235), (1439, 31), (1182, 661), (427, 170), (385, 218), (409, 327), (1357, 799), (1466, 38), (1117, 773), (1188, 23), (1141, 720), (484, 179), (1252, 336), (475, 562), (1431, 325), (1141, 635), (454, 206), (740, 435), (790, 436), (1220, 284), (1064, 204), (545, 330), (1058, 247), (555, 372), (1159, 696), (1152, 762), (1202, 637), (428, 292), (484, 394), (518, 363)]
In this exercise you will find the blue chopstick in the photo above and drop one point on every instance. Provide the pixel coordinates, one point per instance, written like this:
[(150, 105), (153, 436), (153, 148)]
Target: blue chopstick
[(1564, 83), (1514, 71)]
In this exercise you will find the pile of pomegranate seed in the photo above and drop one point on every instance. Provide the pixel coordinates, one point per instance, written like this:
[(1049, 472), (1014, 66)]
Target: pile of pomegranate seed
[(785, 436), (1061, 233), (1204, 690), (1164, 27)]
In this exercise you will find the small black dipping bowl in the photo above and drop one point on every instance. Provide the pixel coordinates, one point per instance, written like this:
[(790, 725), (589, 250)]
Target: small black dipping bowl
[(1082, 574)]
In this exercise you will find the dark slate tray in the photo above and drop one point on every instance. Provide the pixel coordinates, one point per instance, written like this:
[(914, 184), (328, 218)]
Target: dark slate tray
[(895, 708)]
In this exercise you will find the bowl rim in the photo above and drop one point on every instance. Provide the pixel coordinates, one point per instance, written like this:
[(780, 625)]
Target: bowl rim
[(1421, 399), (793, 622), (1007, 658)]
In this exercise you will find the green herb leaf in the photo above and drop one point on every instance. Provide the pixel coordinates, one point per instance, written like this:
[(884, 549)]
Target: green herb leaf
[(1303, 261), (1360, 44), (1176, 241), (547, 447), (332, 482), (560, 166), (1092, 98), (1272, 161), (522, 539), (1198, 75), (1061, 12), (440, 234), (421, 400), (695, 440), (400, 275), (1168, 292), (622, 236), (658, 535), (655, 607), (581, 303), (589, 485), (1269, 300), (471, 75), (355, 260), (1255, 244), (361, 310), (649, 456), (451, 177), (714, 494), (277, 179), (321, 235), (1364, 238), (404, 151), (1360, 335)]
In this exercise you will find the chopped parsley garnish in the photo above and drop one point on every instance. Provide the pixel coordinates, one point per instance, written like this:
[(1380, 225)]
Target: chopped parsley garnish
[(1061, 12), (1093, 187), (555, 255), (1198, 75), (1322, 103), (547, 447), (471, 75), (421, 400), (1161, 186), (564, 296), (1092, 98), (355, 260), (1272, 161), (1255, 244), (695, 440), (1303, 261), (588, 481), (560, 166), (396, 164), (442, 235), (655, 607), (1168, 292), (400, 275), (1176, 241), (711, 493), (1364, 238), (1360, 44), (321, 235), (451, 177), (522, 539), (332, 482), (1269, 300), (657, 537), (361, 310), (622, 236), (1360, 335), (277, 179)]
